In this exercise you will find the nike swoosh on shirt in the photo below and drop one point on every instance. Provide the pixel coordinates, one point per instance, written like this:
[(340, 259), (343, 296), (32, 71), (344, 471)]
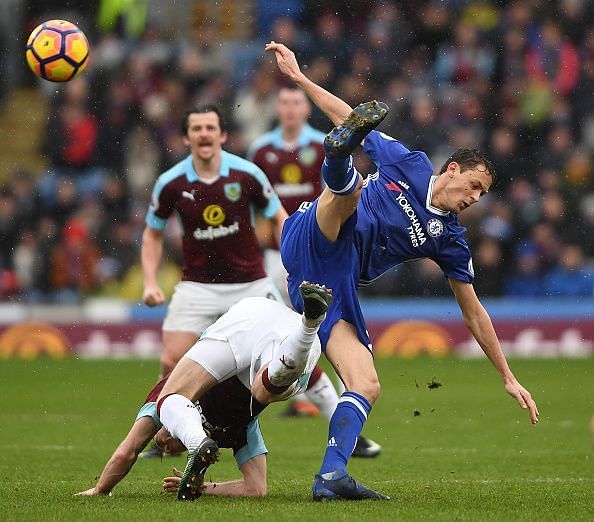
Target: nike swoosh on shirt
[(188, 195)]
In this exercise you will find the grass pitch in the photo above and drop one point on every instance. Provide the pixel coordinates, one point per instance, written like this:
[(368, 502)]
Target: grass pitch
[(468, 453)]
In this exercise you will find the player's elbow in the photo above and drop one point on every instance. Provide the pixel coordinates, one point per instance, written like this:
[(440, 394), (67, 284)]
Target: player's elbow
[(256, 492), (124, 456)]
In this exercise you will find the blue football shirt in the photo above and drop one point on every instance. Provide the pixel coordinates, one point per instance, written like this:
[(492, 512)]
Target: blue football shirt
[(396, 221)]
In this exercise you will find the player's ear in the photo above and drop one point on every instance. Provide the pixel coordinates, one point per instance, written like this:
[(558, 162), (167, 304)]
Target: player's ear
[(224, 137), (453, 168), (186, 140)]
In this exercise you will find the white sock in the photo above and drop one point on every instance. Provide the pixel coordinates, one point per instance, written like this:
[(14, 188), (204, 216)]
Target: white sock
[(290, 358), (181, 418), (323, 395), (301, 397)]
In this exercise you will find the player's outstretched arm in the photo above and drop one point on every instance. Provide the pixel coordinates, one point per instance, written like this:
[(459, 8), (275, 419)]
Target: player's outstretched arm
[(253, 483), (336, 109), (124, 457), (150, 258), (479, 323)]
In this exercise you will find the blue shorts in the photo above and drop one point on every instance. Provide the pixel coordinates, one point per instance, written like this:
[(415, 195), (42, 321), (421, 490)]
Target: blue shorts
[(309, 256)]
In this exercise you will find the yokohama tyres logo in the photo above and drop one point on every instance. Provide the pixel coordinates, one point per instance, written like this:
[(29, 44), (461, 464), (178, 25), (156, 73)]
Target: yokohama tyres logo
[(415, 230)]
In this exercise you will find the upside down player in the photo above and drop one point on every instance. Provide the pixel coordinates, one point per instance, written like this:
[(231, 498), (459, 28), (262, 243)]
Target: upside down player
[(291, 156), (356, 231), (242, 363)]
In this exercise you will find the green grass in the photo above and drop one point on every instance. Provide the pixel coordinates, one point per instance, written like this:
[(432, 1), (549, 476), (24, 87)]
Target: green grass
[(470, 455)]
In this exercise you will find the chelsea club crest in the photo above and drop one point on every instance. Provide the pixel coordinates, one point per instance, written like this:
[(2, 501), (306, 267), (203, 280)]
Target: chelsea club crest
[(435, 227), (232, 191)]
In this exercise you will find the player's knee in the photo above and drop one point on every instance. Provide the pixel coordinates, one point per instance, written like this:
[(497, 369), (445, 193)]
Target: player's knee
[(370, 388), (124, 456), (261, 394)]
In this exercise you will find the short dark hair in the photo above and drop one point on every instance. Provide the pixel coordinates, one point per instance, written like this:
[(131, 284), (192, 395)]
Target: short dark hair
[(202, 108), (468, 159), (290, 87)]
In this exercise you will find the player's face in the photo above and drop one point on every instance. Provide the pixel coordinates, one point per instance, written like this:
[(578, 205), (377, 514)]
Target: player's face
[(204, 136), (292, 108), (165, 442), (465, 188)]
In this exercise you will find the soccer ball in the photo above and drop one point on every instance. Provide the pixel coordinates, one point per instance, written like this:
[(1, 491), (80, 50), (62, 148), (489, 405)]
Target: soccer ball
[(57, 51)]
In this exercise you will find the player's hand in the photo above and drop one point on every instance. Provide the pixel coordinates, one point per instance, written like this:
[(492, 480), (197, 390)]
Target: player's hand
[(285, 58), (170, 484), (87, 493), (522, 395), (90, 493), (153, 296)]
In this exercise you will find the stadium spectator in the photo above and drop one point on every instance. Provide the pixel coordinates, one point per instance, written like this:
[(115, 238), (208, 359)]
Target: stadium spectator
[(329, 40), (22, 187), (70, 142), (526, 279), (553, 60), (254, 106), (570, 278), (9, 228), (465, 58), (73, 263), (24, 259), (489, 268)]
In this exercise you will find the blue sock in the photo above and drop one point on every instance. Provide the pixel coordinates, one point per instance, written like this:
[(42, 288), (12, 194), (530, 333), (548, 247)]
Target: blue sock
[(340, 175), (345, 427)]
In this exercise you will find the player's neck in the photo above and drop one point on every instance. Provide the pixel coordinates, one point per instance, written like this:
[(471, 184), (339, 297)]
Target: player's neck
[(438, 194), (290, 135), (207, 168)]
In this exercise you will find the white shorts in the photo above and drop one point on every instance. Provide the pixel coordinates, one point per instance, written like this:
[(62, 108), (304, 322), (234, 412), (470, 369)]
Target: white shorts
[(216, 357), (276, 271), (195, 306)]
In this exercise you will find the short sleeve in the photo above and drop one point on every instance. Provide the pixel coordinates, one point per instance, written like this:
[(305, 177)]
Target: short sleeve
[(456, 261), (263, 195), (150, 410), (255, 444), (161, 207)]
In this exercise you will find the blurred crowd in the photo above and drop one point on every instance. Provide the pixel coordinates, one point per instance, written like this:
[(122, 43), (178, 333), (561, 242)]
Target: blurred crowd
[(513, 78)]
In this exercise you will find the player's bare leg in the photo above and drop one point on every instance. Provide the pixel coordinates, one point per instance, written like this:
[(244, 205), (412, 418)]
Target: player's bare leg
[(290, 358), (175, 345), (176, 409), (354, 364)]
